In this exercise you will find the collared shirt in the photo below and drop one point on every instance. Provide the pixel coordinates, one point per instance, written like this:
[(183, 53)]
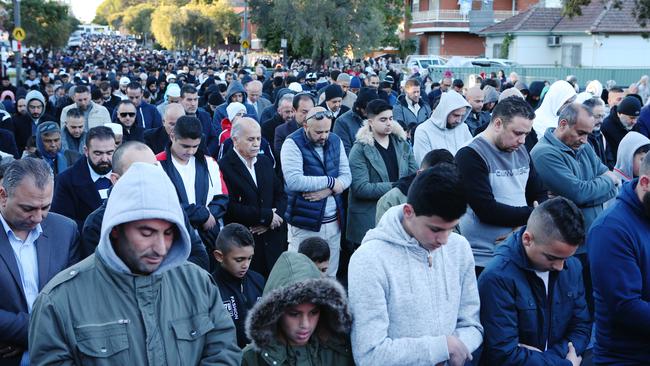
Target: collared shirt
[(103, 193), (251, 169), (27, 260), (414, 107), (253, 104)]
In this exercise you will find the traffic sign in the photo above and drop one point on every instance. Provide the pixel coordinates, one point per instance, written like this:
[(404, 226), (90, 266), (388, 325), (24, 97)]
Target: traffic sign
[(18, 33), (245, 44)]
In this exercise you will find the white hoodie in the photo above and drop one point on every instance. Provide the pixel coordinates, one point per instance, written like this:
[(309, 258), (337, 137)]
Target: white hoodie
[(546, 115), (403, 307), (433, 133)]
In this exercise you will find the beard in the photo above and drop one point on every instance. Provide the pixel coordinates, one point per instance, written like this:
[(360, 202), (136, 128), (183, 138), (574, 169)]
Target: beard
[(646, 203), (102, 168)]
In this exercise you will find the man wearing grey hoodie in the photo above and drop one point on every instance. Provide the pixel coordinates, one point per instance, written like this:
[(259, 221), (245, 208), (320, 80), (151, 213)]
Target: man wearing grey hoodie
[(445, 129), (412, 288), (137, 299)]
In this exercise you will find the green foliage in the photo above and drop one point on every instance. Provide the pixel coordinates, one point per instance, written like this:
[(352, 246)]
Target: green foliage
[(320, 28), (641, 8), (47, 23), (162, 28), (137, 19), (174, 23), (505, 45)]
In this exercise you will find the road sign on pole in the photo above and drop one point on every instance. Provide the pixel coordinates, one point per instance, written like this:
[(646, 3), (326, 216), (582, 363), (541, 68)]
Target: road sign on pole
[(245, 44), (18, 33)]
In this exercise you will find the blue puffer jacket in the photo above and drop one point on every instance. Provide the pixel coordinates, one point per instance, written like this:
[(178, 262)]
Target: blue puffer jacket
[(515, 309), (306, 214), (619, 254)]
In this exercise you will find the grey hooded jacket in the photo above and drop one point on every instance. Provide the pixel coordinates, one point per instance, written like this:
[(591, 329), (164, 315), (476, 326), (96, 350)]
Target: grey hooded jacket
[(172, 316)]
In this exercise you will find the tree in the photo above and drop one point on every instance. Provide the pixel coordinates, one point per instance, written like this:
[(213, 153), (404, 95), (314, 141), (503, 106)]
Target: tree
[(320, 28), (47, 23), (137, 19), (162, 28), (641, 8)]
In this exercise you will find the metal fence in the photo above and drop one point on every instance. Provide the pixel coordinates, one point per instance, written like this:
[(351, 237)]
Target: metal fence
[(623, 77)]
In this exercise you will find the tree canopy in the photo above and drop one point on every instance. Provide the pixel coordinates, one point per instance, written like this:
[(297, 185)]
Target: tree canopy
[(320, 28), (47, 23), (173, 23)]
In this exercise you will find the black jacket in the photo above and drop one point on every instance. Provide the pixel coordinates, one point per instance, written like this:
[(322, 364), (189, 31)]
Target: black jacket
[(75, 195), (614, 132), (157, 139), (252, 205), (238, 296)]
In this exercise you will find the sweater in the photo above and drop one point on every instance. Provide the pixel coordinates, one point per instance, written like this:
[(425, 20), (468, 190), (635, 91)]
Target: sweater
[(501, 187), (390, 280), (574, 174)]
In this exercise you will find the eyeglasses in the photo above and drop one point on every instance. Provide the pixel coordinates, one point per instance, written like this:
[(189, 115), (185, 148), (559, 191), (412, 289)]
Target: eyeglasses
[(127, 114), (320, 115)]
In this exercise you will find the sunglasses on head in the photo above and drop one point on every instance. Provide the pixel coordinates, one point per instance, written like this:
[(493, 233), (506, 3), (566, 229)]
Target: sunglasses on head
[(322, 114), (127, 114)]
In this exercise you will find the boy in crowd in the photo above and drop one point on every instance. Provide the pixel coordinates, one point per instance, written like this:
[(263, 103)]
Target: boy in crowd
[(240, 287), (318, 251)]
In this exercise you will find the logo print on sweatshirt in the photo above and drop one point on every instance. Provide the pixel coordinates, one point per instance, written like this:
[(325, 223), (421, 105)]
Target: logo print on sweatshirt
[(231, 307)]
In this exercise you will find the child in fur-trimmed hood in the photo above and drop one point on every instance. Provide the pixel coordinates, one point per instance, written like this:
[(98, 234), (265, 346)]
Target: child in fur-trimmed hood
[(302, 318)]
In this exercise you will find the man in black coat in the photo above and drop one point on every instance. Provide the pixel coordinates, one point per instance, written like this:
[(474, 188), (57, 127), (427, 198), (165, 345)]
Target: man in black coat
[(83, 187), (256, 194), (158, 138)]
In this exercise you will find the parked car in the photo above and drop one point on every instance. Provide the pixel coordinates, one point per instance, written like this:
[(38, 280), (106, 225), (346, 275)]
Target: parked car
[(423, 62)]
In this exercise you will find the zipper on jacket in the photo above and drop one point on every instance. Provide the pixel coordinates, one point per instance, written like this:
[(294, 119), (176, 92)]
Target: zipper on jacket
[(119, 321)]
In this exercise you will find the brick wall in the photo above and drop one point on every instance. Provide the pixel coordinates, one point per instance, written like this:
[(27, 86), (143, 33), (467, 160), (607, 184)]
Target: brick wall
[(462, 44)]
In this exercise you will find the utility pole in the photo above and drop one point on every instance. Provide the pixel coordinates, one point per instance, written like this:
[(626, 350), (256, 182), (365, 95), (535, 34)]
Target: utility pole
[(18, 55), (244, 34)]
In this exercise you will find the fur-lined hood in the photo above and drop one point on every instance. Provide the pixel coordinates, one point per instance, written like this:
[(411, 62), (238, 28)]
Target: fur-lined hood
[(295, 280), (364, 135)]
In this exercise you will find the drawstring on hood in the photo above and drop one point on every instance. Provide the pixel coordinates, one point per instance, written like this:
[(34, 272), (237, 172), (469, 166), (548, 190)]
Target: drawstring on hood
[(144, 192), (391, 230)]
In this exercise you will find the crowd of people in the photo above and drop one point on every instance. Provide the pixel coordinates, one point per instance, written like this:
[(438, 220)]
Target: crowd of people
[(180, 208)]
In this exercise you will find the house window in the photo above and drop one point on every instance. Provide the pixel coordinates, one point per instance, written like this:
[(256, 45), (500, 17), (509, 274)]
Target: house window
[(496, 50), (433, 45), (415, 6), (571, 55)]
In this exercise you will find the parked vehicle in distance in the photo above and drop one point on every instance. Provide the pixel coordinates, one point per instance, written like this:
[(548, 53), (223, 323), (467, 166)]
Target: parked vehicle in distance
[(423, 62), (493, 62)]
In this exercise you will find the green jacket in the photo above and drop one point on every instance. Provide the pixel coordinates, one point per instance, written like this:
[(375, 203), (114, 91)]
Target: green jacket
[(98, 312), (295, 280), (392, 198), (370, 178)]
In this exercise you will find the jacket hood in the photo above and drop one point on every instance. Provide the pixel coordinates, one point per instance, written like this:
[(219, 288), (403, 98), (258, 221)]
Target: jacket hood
[(294, 280), (234, 88), (449, 102), (35, 94), (144, 192), (390, 230), (364, 135), (625, 156), (547, 114)]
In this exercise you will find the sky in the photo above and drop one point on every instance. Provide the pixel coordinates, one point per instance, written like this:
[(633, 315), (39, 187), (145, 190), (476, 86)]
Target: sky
[(84, 9)]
